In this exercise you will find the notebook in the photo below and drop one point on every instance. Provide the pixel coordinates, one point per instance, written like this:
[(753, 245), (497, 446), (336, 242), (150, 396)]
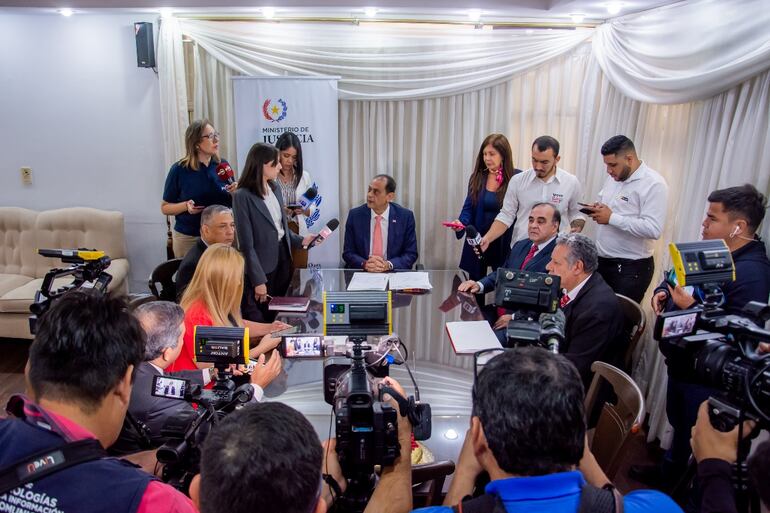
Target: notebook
[(471, 336)]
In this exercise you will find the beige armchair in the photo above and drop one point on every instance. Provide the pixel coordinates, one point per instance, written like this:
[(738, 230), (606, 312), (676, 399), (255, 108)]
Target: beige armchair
[(23, 231)]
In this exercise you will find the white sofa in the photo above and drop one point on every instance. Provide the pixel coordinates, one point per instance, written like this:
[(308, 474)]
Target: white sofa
[(23, 231)]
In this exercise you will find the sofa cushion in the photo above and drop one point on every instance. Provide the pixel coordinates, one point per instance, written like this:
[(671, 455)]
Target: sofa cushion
[(8, 282), (19, 299), (17, 241)]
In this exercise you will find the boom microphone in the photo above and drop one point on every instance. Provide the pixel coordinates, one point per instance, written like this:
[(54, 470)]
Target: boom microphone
[(307, 198), (325, 232), (225, 173)]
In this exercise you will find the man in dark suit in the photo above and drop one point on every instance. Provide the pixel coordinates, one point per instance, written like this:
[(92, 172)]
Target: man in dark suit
[(217, 225), (594, 317), (380, 236)]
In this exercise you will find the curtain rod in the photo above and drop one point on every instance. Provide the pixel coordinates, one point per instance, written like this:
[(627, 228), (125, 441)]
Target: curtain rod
[(355, 21)]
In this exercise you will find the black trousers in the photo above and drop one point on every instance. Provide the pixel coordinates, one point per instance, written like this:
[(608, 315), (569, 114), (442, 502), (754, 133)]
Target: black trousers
[(278, 282), (628, 277)]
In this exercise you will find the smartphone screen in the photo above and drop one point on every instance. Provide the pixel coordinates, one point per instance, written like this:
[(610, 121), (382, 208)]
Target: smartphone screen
[(172, 388), (302, 346)]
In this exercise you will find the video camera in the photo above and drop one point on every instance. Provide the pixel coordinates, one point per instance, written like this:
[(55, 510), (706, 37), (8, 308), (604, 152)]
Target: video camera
[(366, 425), (184, 433), (723, 354), (534, 299), (88, 269)]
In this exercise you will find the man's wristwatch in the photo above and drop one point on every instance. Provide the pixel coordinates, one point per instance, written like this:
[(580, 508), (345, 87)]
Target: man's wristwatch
[(390, 265)]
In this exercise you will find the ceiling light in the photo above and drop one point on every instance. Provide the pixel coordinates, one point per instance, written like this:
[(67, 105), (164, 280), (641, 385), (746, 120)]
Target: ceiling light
[(530, 31), (268, 12), (370, 12), (66, 12), (166, 12), (474, 14), (577, 17), (451, 434), (614, 7)]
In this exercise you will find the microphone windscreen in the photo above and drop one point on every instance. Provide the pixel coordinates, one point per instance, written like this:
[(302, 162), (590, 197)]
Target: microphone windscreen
[(311, 193), (471, 232), (333, 224)]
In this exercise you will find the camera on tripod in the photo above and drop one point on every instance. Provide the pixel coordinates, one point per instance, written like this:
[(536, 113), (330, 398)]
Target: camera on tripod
[(724, 353), (87, 269), (184, 433), (534, 299), (366, 425)]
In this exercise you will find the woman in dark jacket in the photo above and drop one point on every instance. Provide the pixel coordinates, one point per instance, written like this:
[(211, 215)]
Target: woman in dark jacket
[(486, 190)]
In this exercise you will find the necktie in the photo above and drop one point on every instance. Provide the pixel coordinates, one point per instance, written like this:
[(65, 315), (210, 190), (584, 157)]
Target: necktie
[(377, 238), (564, 301), (529, 256)]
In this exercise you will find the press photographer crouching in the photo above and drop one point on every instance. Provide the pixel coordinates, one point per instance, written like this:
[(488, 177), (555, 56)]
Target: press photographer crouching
[(79, 373), (267, 457), (163, 323), (528, 432)]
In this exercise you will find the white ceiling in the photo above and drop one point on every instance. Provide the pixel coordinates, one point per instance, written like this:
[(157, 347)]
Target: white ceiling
[(555, 11)]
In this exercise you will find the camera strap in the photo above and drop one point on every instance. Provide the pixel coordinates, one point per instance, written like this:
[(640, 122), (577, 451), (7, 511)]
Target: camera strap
[(49, 461)]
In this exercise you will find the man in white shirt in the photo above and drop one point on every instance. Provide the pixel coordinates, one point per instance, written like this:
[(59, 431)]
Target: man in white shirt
[(631, 213), (544, 182)]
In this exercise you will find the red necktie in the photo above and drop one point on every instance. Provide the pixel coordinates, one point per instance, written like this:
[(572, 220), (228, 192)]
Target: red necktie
[(529, 256), (377, 240), (564, 301)]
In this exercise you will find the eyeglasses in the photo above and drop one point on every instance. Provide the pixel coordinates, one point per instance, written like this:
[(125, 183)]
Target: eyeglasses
[(212, 136), (481, 358)]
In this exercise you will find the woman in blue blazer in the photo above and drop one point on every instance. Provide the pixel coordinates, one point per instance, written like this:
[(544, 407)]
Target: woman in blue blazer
[(486, 190)]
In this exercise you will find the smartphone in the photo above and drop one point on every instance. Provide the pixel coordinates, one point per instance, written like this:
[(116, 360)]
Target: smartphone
[(452, 224), (301, 346), (670, 277), (293, 206), (171, 388), (286, 331), (585, 204)]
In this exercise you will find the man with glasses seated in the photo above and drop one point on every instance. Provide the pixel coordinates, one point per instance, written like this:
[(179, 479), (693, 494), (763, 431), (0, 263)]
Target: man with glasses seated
[(594, 318), (528, 433)]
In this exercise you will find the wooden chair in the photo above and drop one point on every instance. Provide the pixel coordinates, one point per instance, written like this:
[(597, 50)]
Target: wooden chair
[(164, 275), (617, 421), (635, 323), (428, 482)]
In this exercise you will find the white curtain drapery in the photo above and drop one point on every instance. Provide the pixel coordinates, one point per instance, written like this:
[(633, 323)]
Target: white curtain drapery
[(686, 51), (429, 143)]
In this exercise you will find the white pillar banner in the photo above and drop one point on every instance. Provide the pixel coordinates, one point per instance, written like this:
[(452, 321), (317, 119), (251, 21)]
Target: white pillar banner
[(265, 107)]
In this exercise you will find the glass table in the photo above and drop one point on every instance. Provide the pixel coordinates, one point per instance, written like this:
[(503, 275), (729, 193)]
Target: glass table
[(443, 377)]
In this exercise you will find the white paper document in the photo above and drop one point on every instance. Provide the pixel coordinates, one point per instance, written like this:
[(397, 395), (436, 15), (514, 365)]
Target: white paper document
[(468, 337), (418, 280), (368, 281)]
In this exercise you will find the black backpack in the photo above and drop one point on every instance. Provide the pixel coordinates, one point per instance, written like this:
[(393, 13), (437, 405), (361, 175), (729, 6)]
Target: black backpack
[(592, 500)]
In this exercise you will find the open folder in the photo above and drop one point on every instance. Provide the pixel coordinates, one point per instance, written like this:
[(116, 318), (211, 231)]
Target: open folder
[(469, 337)]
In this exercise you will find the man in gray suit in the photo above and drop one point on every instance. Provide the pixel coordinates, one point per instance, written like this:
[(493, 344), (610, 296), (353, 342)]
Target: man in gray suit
[(163, 322)]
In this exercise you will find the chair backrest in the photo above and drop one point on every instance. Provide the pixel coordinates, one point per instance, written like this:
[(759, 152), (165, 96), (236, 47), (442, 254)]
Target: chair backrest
[(164, 275), (635, 323), (428, 481), (616, 421)]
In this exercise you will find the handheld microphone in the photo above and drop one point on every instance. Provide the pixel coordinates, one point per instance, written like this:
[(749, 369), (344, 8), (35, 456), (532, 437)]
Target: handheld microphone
[(225, 173), (307, 199), (325, 232), (473, 239), (552, 329)]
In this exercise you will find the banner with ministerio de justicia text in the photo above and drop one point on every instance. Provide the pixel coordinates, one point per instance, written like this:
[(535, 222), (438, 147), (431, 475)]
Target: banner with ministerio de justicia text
[(265, 107)]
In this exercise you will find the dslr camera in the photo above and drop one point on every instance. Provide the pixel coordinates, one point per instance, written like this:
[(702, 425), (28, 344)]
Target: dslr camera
[(534, 299)]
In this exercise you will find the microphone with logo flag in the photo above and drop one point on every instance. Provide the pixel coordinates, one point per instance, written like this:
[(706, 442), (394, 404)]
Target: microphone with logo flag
[(325, 232), (473, 239), (307, 198), (225, 173)]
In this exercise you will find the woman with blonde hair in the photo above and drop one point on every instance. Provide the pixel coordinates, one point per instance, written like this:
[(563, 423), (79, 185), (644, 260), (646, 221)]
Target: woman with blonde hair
[(192, 184), (213, 298)]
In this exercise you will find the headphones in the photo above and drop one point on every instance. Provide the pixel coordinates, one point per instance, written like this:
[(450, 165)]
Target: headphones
[(736, 231)]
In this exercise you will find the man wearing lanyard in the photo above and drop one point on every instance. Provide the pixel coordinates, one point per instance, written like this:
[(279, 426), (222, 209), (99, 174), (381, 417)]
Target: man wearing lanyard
[(631, 212)]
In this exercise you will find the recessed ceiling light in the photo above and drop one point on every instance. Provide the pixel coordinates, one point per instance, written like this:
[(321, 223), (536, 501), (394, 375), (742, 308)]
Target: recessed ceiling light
[(370, 12), (451, 434), (474, 14), (614, 7), (268, 12), (66, 12), (577, 17), (166, 12)]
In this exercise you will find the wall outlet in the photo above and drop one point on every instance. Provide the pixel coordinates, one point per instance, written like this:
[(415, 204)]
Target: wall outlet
[(26, 175)]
